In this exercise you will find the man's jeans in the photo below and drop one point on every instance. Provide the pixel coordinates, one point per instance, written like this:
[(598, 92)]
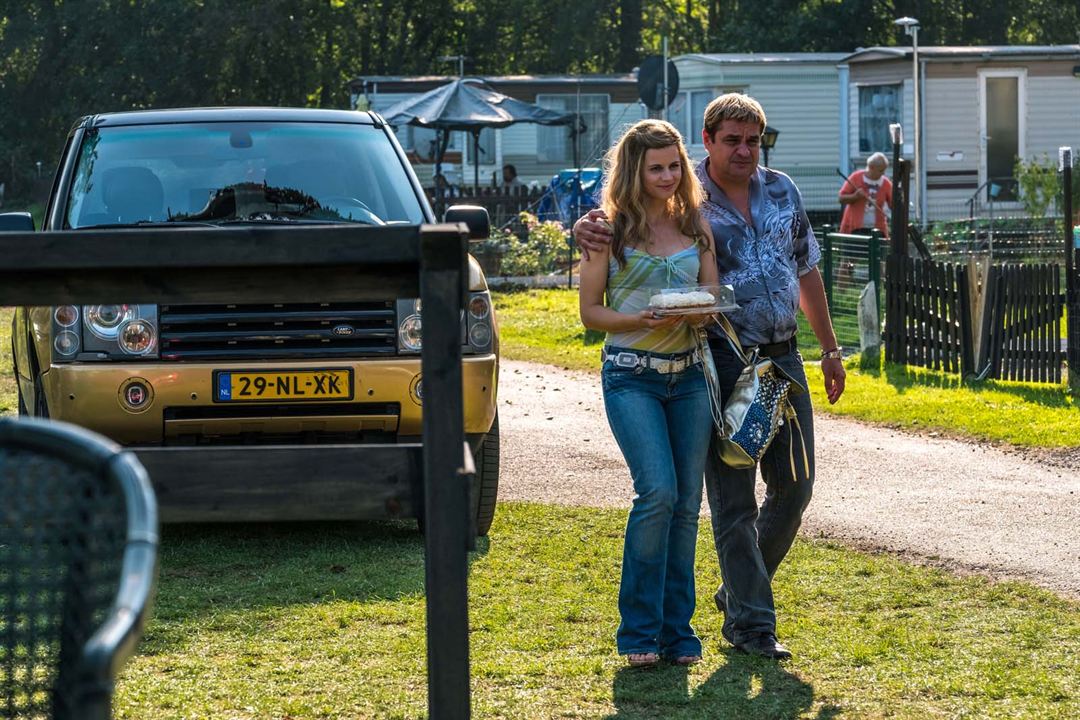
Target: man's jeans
[(751, 542), (662, 424)]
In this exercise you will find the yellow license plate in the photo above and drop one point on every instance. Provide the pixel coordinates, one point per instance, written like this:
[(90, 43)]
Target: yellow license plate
[(276, 385)]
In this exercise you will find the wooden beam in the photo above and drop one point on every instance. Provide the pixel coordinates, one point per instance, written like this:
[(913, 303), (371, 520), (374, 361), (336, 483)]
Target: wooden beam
[(247, 264), (447, 480)]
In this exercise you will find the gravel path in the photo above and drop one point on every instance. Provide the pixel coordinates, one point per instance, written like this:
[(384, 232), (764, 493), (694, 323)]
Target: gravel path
[(967, 506)]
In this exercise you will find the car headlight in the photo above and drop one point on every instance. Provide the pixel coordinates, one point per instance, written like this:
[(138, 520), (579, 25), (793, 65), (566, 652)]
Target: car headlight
[(104, 321), (137, 337), (478, 323), (90, 333), (66, 344), (477, 329), (410, 334)]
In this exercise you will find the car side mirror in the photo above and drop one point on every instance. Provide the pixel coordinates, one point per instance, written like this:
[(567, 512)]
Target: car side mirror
[(474, 216), (16, 222)]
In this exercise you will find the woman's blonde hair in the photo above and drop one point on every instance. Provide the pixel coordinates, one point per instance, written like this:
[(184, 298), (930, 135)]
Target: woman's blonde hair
[(624, 198)]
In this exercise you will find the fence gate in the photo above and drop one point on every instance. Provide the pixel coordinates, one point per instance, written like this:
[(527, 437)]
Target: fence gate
[(928, 317), (1073, 331), (849, 262), (1021, 324)]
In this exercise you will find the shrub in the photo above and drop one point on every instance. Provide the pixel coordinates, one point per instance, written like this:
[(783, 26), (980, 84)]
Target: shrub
[(539, 251)]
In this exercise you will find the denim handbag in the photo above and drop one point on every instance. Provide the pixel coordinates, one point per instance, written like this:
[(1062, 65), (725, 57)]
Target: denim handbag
[(751, 416)]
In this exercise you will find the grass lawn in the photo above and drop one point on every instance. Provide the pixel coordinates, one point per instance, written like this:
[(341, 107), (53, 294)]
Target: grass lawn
[(8, 396), (321, 621), (543, 326), (327, 620)]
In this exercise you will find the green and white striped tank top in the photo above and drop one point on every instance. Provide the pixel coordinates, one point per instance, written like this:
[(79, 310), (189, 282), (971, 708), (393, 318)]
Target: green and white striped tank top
[(629, 289)]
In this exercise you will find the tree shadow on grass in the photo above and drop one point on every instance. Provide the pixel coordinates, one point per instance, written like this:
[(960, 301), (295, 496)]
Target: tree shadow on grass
[(239, 567), (903, 377), (742, 687)]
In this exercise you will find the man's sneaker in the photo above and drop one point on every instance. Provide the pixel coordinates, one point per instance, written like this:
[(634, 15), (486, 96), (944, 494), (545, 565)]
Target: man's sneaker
[(764, 645)]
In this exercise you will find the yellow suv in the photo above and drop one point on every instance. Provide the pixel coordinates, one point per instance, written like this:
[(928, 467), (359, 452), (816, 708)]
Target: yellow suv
[(269, 375)]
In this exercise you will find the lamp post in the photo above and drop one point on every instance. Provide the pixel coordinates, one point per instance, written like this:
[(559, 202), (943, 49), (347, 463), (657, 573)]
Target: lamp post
[(911, 27), (768, 140)]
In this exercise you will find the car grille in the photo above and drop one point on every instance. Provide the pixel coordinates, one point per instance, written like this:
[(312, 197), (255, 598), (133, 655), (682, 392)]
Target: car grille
[(308, 330), (326, 423)]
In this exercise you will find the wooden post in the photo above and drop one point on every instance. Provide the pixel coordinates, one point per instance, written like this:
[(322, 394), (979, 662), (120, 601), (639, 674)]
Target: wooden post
[(901, 186), (1072, 292), (894, 266), (869, 328), (980, 296), (827, 261), (446, 483), (874, 269)]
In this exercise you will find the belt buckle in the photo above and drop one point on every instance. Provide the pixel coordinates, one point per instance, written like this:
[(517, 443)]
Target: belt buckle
[(625, 360)]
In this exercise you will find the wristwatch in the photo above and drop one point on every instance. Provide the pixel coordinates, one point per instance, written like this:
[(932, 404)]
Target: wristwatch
[(837, 353)]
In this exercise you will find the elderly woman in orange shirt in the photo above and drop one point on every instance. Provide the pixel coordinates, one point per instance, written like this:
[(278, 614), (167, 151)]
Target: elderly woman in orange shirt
[(867, 197)]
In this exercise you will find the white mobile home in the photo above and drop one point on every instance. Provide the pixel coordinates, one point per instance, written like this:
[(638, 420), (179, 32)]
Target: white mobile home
[(981, 109), (800, 93), (607, 104)]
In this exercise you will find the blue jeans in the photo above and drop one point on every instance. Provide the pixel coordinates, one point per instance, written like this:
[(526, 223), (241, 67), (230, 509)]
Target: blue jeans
[(751, 541), (662, 424)]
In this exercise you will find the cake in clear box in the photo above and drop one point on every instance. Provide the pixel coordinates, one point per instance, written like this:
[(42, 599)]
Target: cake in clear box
[(693, 299)]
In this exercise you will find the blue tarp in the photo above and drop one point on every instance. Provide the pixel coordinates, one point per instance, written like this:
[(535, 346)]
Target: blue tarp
[(566, 200)]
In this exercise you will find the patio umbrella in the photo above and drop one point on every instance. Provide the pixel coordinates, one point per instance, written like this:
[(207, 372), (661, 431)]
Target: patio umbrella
[(469, 105)]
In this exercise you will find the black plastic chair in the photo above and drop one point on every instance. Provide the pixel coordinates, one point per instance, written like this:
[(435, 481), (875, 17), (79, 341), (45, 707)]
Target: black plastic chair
[(78, 567)]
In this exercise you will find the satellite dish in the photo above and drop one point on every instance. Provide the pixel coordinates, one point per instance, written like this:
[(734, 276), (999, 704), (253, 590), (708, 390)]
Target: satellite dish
[(650, 80)]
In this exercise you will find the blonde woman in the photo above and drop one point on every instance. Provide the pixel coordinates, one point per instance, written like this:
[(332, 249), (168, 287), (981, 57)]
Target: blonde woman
[(654, 388)]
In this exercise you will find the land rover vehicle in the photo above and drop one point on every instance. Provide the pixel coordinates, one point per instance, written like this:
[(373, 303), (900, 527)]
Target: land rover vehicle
[(268, 375)]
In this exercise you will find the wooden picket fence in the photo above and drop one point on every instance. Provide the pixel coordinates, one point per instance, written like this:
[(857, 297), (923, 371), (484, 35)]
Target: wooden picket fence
[(1002, 323), (928, 318), (1022, 323)]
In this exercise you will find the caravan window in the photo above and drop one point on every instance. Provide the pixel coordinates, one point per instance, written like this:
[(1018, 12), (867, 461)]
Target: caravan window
[(687, 113), (553, 144), (879, 105)]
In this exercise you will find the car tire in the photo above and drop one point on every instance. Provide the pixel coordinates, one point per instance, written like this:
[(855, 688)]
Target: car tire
[(486, 483)]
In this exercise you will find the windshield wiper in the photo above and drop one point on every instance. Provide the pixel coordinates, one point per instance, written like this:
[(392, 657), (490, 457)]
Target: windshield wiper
[(148, 223), (289, 221)]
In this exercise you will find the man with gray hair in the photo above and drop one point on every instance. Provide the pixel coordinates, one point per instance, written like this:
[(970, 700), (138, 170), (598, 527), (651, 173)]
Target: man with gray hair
[(867, 197), (766, 250)]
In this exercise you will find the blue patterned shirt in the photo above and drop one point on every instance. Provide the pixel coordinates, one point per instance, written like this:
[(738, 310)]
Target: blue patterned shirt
[(762, 262)]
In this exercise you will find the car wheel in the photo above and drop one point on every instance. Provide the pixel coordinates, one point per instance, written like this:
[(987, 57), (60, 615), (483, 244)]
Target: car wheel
[(486, 483)]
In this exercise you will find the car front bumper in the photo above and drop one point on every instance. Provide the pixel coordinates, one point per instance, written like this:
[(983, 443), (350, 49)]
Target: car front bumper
[(182, 410)]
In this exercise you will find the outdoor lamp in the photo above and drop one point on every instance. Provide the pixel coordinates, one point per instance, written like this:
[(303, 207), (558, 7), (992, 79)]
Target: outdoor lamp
[(768, 140), (896, 133)]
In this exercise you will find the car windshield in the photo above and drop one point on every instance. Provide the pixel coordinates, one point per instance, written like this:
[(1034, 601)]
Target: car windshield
[(240, 172)]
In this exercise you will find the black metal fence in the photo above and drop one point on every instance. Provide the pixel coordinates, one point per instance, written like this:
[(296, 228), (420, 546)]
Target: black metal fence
[(1010, 239), (848, 263)]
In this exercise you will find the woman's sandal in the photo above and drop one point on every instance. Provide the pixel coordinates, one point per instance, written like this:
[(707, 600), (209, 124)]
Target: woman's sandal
[(643, 660)]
